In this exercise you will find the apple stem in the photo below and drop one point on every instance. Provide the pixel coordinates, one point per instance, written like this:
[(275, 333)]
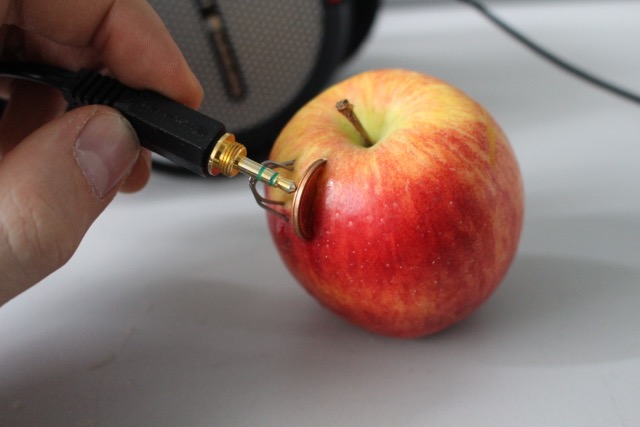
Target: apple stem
[(345, 108)]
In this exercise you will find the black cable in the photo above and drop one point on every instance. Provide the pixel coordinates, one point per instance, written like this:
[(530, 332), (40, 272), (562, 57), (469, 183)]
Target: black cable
[(554, 59), (39, 73), (164, 126)]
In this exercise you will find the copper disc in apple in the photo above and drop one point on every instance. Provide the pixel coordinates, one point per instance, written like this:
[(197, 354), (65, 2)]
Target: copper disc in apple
[(304, 198)]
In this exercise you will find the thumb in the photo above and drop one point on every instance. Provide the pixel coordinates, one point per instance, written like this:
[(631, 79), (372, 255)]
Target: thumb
[(53, 185)]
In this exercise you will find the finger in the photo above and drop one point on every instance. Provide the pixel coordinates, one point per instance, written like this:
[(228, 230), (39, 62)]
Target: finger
[(139, 175), (127, 35), (30, 105), (52, 187)]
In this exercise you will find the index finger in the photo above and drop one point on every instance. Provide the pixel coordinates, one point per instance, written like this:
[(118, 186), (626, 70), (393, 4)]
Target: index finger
[(127, 35)]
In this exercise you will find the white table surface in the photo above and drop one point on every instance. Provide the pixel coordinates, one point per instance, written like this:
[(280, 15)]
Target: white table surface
[(177, 311)]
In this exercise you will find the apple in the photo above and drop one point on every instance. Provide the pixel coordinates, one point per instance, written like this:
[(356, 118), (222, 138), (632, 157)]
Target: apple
[(414, 231)]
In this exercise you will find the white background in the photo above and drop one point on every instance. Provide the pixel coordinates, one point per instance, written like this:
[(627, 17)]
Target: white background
[(177, 311)]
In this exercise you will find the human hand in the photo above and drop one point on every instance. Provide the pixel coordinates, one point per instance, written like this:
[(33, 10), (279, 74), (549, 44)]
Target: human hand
[(59, 171)]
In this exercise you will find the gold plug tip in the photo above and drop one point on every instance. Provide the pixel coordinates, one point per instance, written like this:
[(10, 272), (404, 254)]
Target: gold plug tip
[(228, 157), (286, 185)]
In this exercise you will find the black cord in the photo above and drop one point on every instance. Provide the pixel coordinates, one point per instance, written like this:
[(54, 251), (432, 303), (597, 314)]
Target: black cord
[(39, 73), (554, 59), (164, 126)]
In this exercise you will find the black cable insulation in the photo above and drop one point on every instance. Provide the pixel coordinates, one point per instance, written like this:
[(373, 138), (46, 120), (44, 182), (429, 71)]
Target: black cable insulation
[(552, 58), (39, 73)]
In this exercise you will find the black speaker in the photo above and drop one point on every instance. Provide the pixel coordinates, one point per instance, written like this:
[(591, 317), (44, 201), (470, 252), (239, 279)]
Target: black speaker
[(259, 61)]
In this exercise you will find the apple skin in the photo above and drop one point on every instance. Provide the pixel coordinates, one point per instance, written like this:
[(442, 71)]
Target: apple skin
[(414, 233)]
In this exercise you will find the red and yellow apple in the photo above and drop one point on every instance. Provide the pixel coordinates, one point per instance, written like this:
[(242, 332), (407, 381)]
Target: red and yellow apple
[(414, 232)]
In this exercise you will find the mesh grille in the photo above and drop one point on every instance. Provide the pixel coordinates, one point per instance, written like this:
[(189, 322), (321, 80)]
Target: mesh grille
[(277, 44)]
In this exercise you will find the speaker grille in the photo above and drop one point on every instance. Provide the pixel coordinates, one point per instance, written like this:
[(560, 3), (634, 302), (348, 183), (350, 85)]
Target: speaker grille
[(276, 43)]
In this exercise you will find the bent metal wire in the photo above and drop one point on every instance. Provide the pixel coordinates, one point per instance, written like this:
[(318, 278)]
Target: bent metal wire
[(304, 197)]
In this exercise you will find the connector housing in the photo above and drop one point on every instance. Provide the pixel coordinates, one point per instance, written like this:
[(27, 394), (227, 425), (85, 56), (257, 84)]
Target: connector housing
[(164, 126)]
